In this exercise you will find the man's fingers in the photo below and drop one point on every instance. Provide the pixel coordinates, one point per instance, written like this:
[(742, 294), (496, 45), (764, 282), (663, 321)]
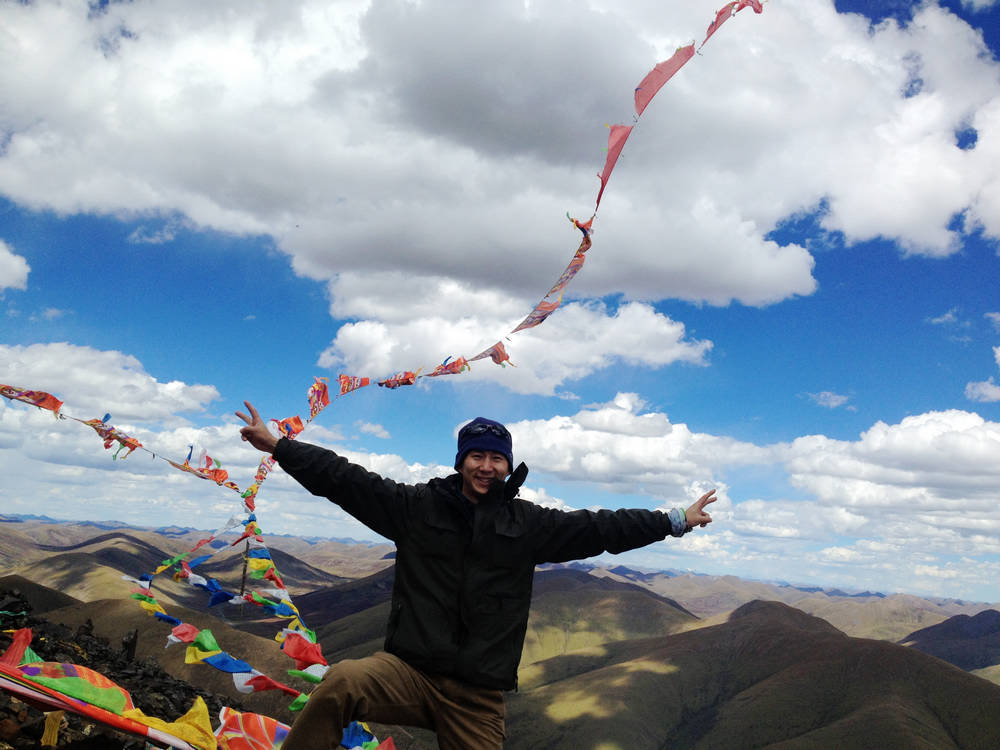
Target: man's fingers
[(254, 416), (253, 412)]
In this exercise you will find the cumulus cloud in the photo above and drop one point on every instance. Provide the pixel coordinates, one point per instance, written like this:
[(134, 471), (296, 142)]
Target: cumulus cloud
[(13, 269), (539, 496), (397, 136), (985, 391), (580, 338), (81, 376), (625, 449), (930, 471)]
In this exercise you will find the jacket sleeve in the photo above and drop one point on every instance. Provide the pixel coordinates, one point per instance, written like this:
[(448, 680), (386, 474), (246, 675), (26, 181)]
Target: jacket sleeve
[(577, 534), (380, 504)]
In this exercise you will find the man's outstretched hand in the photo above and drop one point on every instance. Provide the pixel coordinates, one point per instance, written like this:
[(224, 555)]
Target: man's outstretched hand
[(696, 515), (256, 432)]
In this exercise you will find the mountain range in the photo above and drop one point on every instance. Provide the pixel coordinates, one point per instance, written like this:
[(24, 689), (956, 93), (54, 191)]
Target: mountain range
[(614, 657)]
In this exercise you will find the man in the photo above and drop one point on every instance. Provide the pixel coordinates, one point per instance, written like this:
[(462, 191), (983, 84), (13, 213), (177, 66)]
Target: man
[(466, 550)]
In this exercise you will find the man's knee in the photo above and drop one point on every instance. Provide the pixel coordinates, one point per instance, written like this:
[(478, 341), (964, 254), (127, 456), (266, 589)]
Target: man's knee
[(344, 684)]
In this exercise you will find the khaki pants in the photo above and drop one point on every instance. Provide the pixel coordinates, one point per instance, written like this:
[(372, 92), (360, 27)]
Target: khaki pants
[(385, 689)]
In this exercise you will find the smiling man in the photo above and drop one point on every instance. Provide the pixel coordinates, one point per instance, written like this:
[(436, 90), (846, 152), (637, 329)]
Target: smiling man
[(484, 457), (466, 551)]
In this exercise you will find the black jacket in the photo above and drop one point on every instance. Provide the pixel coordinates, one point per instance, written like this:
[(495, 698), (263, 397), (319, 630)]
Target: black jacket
[(464, 571)]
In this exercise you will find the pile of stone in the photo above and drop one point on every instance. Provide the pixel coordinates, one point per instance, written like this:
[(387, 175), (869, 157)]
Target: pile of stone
[(153, 691)]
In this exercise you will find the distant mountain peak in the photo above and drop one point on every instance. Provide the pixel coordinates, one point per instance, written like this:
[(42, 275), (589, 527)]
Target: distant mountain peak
[(784, 614)]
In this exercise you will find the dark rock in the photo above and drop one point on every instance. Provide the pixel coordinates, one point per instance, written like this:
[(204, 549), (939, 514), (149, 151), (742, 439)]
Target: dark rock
[(153, 691)]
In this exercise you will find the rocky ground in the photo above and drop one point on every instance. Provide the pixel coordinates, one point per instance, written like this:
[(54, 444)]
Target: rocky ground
[(153, 691)]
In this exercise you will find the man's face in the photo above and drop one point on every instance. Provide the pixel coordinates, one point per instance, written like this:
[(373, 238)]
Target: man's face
[(479, 470)]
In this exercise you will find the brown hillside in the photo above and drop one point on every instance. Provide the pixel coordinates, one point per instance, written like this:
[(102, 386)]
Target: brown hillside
[(15, 546), (354, 636), (571, 610), (989, 673), (771, 676), (883, 617), (76, 574), (121, 551), (346, 597), (706, 596), (42, 599), (337, 558), (967, 642)]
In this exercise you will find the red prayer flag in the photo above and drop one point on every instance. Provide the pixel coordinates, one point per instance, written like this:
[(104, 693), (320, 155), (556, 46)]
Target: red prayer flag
[(542, 310), (616, 142), (41, 399), (497, 353), (403, 378), (18, 645), (453, 367), (659, 75), (304, 652), (290, 427), (185, 633), (261, 682), (350, 383), (728, 11), (319, 396)]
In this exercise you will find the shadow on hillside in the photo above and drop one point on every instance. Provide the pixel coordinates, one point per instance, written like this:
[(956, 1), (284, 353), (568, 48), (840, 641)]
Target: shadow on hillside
[(771, 674), (595, 699)]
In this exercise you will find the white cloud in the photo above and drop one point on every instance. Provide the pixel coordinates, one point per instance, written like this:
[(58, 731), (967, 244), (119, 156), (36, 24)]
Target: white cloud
[(50, 313), (622, 449), (928, 482), (948, 318), (978, 5), (376, 430), (539, 496), (13, 269), (841, 555), (983, 391), (394, 137), (994, 319), (80, 377), (576, 340), (158, 235), (936, 572), (828, 399)]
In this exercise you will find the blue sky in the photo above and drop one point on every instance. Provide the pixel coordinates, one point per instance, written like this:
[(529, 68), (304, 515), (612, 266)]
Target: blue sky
[(791, 294)]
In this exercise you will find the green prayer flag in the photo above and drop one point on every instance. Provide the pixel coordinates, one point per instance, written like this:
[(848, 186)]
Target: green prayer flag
[(307, 676), (30, 657), (205, 641)]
